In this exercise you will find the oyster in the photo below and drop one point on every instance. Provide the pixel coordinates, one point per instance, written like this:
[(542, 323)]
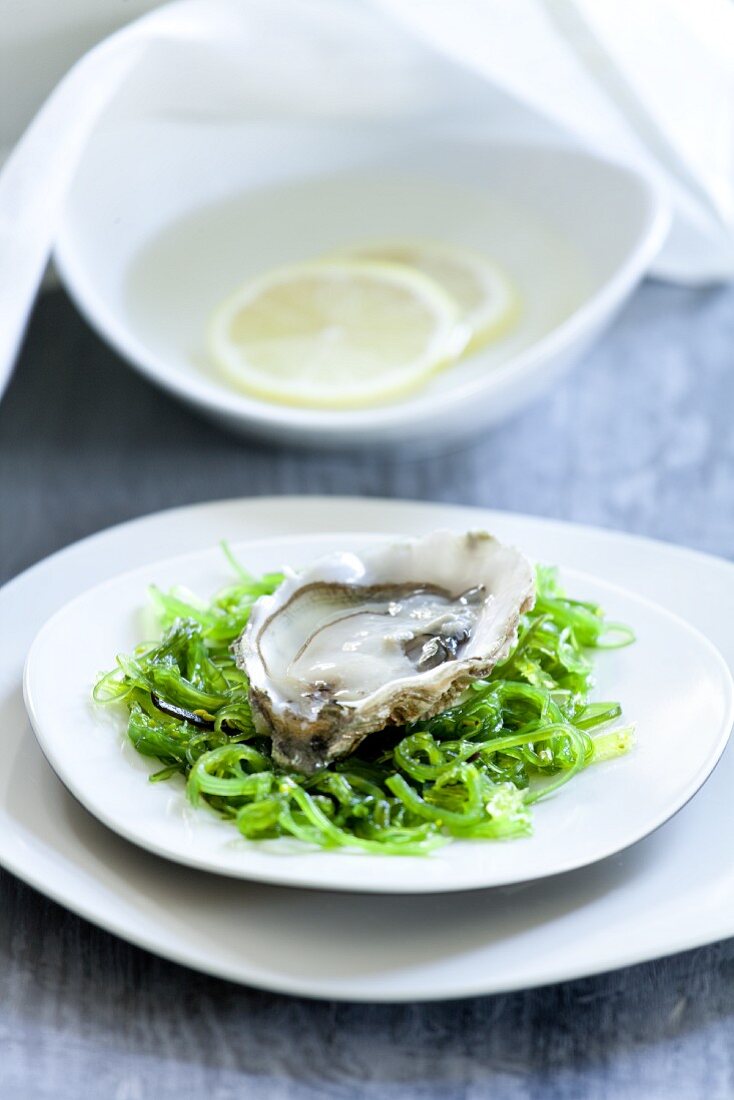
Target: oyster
[(358, 642)]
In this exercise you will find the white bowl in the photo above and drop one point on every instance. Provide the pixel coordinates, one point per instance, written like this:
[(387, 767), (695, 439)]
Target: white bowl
[(166, 217)]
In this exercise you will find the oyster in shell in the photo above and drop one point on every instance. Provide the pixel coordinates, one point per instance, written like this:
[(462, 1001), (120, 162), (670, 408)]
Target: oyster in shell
[(358, 642)]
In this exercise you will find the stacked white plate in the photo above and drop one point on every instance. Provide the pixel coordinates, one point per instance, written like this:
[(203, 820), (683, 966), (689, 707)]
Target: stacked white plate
[(585, 893)]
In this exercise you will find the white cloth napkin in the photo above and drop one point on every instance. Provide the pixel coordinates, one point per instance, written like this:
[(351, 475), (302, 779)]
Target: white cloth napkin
[(646, 82), (649, 83)]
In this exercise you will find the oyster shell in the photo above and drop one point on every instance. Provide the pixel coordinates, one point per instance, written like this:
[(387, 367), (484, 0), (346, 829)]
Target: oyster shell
[(358, 642)]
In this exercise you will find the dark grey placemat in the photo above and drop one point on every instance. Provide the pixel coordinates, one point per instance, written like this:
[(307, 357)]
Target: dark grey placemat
[(639, 437)]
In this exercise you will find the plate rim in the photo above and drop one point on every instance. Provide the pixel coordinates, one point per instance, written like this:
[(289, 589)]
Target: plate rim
[(275, 877)]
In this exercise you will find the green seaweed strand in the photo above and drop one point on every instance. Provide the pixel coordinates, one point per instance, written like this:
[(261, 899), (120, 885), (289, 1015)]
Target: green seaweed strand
[(471, 772)]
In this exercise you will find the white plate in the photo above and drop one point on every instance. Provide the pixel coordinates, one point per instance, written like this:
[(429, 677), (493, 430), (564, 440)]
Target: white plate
[(670, 892), (149, 251), (672, 683)]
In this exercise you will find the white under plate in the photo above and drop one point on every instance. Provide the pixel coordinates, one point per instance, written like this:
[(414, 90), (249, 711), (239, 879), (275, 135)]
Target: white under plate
[(672, 683), (670, 892)]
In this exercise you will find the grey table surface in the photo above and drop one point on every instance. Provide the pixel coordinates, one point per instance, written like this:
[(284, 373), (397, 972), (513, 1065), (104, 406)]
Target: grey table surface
[(638, 438)]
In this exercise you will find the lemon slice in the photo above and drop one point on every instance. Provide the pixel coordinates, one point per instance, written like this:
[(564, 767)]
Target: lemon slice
[(335, 333), (484, 294)]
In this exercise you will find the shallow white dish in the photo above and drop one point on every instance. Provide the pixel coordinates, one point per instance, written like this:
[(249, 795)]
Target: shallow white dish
[(148, 252), (670, 892), (672, 683)]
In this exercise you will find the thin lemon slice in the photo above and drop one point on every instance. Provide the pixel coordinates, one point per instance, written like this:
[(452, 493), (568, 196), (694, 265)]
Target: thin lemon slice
[(335, 333), (485, 295)]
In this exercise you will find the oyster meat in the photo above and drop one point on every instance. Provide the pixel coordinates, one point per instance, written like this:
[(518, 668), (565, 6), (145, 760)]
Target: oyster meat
[(358, 642)]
